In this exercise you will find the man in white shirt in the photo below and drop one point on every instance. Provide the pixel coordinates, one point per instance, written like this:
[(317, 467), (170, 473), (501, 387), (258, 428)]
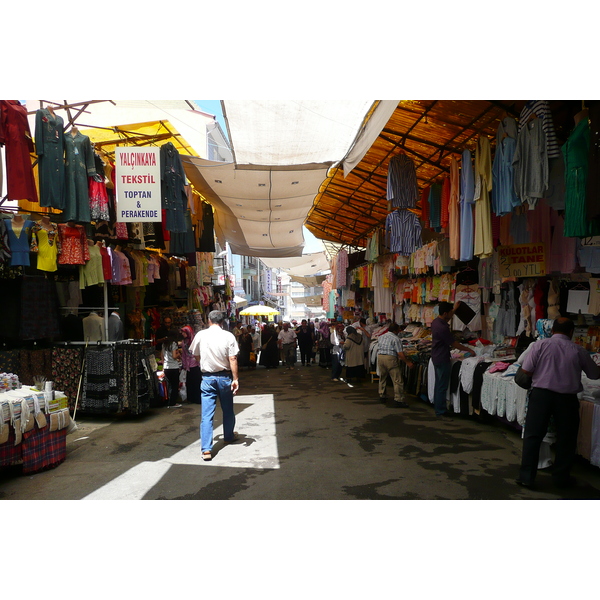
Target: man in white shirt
[(216, 351), (287, 342)]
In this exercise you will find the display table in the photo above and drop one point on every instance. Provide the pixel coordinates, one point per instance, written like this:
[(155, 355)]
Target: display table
[(38, 448)]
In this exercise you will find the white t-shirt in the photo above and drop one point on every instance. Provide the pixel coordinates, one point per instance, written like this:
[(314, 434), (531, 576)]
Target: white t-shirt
[(214, 346), (287, 337), (168, 361)]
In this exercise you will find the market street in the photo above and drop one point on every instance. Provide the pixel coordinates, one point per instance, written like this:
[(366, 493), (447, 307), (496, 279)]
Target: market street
[(303, 437)]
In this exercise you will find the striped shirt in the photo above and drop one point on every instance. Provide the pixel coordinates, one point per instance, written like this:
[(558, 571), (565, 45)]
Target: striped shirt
[(402, 188), (403, 232), (541, 109), (389, 343)]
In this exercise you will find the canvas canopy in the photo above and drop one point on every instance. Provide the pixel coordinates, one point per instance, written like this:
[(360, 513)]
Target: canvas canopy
[(282, 151), (307, 264)]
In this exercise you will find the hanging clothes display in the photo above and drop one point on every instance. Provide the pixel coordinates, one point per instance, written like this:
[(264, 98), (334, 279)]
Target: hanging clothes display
[(15, 136), (454, 210), (73, 243), (402, 188), (504, 198), (541, 110), (173, 181), (576, 154), (530, 162), (46, 244), (79, 165), (403, 232), (19, 240), (483, 244), (50, 148), (593, 182), (467, 192)]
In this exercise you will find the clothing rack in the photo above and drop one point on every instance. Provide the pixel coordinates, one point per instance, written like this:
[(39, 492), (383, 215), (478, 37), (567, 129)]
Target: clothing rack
[(104, 343)]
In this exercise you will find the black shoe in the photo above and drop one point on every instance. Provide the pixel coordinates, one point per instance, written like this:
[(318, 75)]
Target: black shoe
[(571, 482), (446, 415), (529, 486), (395, 404), (383, 399)]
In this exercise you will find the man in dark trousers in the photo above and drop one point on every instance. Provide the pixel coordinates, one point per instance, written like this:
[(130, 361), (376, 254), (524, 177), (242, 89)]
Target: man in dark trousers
[(555, 365), (306, 339), (442, 342)]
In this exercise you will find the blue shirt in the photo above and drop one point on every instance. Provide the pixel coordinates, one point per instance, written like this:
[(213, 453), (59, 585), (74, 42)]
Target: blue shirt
[(389, 343), (467, 194)]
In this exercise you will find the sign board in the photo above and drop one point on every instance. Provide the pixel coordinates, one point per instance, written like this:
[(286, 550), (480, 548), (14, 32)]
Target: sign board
[(522, 260), (591, 241), (137, 179)]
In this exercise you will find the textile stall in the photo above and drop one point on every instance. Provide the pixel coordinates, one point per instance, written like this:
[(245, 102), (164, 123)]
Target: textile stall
[(508, 227), (33, 428)]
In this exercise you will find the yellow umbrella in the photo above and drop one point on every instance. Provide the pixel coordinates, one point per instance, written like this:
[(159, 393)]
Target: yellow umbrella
[(258, 311)]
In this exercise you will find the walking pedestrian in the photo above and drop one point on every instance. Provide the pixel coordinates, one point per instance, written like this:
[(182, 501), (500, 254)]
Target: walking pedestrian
[(306, 340), (354, 356), (216, 350), (337, 339), (324, 345), (269, 349), (389, 354), (555, 365), (171, 359), (287, 343), (193, 377)]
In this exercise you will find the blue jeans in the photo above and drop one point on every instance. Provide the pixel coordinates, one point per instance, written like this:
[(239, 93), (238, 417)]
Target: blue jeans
[(214, 386), (442, 381)]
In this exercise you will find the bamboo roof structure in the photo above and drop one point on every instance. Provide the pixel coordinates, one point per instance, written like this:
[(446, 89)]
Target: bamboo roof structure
[(347, 210)]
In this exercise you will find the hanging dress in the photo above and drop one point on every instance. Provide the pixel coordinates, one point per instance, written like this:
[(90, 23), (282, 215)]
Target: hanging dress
[(576, 155), (15, 135), (467, 191), (79, 165), (50, 148)]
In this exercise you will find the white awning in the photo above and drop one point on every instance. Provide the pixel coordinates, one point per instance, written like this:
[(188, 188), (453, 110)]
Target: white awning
[(305, 265), (259, 211), (239, 301)]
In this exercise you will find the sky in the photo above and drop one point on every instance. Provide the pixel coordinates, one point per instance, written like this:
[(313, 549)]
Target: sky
[(213, 107)]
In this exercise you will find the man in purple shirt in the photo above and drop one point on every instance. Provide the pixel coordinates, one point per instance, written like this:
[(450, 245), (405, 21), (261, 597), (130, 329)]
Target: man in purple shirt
[(555, 364), (442, 341)]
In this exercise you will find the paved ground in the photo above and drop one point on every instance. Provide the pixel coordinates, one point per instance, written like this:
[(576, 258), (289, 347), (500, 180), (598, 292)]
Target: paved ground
[(302, 437)]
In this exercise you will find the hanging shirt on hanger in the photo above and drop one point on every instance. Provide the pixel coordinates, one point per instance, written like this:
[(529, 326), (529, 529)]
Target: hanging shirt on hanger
[(467, 191), (402, 188)]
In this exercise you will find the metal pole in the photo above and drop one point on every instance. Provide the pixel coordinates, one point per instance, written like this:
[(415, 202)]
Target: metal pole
[(105, 311)]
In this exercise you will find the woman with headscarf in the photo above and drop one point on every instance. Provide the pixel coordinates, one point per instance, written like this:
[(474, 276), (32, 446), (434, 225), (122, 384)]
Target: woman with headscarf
[(269, 350), (324, 345), (354, 356), (193, 377)]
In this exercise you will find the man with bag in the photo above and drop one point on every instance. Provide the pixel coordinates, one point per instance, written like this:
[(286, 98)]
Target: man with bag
[(554, 365)]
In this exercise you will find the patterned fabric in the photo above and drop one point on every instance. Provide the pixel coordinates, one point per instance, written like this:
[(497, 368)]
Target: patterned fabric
[(10, 361), (66, 371), (74, 246), (99, 390), (35, 363)]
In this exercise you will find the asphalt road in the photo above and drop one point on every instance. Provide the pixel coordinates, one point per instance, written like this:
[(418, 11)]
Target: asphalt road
[(303, 437)]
